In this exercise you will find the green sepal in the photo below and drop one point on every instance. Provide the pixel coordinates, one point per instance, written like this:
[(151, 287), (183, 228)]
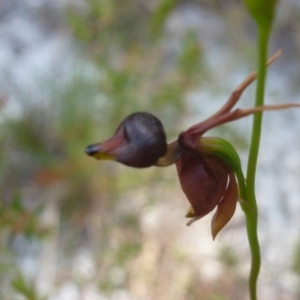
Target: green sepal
[(222, 149), (226, 152)]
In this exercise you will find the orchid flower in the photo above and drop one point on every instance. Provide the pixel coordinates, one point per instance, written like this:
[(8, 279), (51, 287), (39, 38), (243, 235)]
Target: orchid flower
[(208, 168)]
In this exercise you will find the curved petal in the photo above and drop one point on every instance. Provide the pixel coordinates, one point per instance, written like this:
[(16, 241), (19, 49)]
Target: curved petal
[(226, 207), (203, 179)]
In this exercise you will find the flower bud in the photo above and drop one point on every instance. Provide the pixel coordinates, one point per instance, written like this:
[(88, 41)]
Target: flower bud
[(262, 11)]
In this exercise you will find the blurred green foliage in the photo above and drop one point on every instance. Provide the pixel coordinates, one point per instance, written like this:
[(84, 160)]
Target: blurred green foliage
[(123, 67), (26, 289), (160, 14), (15, 218), (52, 194)]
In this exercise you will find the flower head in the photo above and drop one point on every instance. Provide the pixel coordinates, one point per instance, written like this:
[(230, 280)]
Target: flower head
[(208, 168)]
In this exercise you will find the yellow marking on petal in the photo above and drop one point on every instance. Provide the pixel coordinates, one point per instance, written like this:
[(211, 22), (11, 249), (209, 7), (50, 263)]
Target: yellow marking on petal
[(103, 156), (190, 213)]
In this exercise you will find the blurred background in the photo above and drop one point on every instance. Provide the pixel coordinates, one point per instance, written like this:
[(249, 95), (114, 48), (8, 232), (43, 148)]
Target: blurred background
[(75, 228)]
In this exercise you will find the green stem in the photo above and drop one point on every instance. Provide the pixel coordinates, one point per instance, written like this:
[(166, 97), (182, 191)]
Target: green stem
[(250, 207)]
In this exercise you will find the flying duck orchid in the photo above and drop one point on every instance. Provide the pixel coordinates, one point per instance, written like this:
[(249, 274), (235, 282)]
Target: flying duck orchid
[(208, 168)]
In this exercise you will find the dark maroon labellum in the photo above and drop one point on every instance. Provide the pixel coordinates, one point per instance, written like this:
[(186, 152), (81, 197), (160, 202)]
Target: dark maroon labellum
[(145, 140), (139, 141)]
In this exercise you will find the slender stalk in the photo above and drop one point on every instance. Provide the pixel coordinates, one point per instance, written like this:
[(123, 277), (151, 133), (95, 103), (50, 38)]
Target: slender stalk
[(250, 208)]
